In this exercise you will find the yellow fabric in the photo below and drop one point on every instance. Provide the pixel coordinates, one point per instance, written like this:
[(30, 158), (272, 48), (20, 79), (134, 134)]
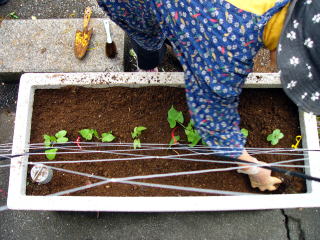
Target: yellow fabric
[(273, 28), (258, 7)]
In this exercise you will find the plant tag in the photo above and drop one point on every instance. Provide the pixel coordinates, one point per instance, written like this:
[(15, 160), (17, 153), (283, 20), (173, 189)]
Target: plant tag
[(41, 174)]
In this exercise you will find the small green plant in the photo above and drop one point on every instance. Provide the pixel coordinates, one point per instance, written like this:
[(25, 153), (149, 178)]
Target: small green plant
[(107, 137), (88, 134), (245, 132), (192, 134), (59, 137), (132, 53), (13, 15), (275, 136), (176, 117), (135, 134)]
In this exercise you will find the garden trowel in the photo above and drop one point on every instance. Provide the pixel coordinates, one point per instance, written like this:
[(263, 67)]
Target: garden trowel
[(82, 39)]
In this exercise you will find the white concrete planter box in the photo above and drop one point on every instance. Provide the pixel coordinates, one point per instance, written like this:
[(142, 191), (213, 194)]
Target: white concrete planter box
[(17, 198)]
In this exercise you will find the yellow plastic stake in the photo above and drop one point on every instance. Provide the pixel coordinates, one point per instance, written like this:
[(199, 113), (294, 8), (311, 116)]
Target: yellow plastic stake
[(298, 139)]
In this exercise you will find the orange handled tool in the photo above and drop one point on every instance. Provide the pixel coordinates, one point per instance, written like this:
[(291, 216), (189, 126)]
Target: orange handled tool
[(82, 39)]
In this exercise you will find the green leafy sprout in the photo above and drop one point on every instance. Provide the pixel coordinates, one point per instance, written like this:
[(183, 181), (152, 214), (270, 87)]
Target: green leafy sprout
[(107, 137), (275, 136), (59, 137), (13, 15), (132, 53), (89, 133), (192, 134), (176, 117), (135, 134), (245, 132)]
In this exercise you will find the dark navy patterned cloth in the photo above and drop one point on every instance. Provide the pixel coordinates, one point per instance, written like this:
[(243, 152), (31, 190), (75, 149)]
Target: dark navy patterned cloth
[(298, 55), (215, 43)]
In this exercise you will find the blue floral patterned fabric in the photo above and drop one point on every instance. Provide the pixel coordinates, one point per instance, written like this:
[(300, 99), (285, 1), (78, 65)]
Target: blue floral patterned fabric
[(215, 43)]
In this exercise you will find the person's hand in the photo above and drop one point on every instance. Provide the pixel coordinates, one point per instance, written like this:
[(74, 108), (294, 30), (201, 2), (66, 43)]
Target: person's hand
[(259, 177), (263, 179)]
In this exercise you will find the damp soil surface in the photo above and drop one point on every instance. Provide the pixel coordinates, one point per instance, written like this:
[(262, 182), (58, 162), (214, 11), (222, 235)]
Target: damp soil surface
[(119, 110)]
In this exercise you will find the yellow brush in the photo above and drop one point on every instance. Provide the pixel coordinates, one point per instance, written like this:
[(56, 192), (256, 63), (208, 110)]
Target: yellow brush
[(111, 49), (82, 39)]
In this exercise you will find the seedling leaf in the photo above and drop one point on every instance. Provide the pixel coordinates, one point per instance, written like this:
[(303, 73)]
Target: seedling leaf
[(95, 133), (53, 139), (61, 134), (137, 131), (51, 153), (47, 140), (136, 143), (13, 15), (62, 140), (132, 53), (245, 132), (174, 116), (275, 136), (192, 134), (107, 137), (86, 134)]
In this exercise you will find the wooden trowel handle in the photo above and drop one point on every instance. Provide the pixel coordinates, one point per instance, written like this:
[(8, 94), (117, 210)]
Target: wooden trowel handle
[(87, 15)]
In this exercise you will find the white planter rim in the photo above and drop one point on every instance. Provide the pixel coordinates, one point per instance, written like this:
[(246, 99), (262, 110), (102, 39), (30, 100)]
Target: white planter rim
[(17, 199)]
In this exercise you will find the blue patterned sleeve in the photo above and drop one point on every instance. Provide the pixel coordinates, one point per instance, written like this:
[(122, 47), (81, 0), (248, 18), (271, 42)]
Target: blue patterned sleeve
[(216, 118), (137, 19), (215, 43)]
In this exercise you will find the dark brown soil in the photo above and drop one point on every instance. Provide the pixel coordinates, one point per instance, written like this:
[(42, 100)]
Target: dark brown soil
[(121, 109)]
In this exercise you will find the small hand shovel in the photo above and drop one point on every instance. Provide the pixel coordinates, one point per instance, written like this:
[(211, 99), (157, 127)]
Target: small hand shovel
[(82, 40)]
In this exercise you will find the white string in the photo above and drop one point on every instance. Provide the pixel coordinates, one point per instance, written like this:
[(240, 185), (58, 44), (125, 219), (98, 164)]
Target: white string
[(157, 175), (143, 157), (172, 157), (101, 144), (125, 180)]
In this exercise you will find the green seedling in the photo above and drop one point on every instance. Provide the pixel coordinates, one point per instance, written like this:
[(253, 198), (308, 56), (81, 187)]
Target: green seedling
[(132, 53), (88, 134), (107, 137), (136, 143), (175, 117), (135, 134), (59, 137), (137, 131), (275, 136), (192, 134), (245, 132), (13, 15)]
